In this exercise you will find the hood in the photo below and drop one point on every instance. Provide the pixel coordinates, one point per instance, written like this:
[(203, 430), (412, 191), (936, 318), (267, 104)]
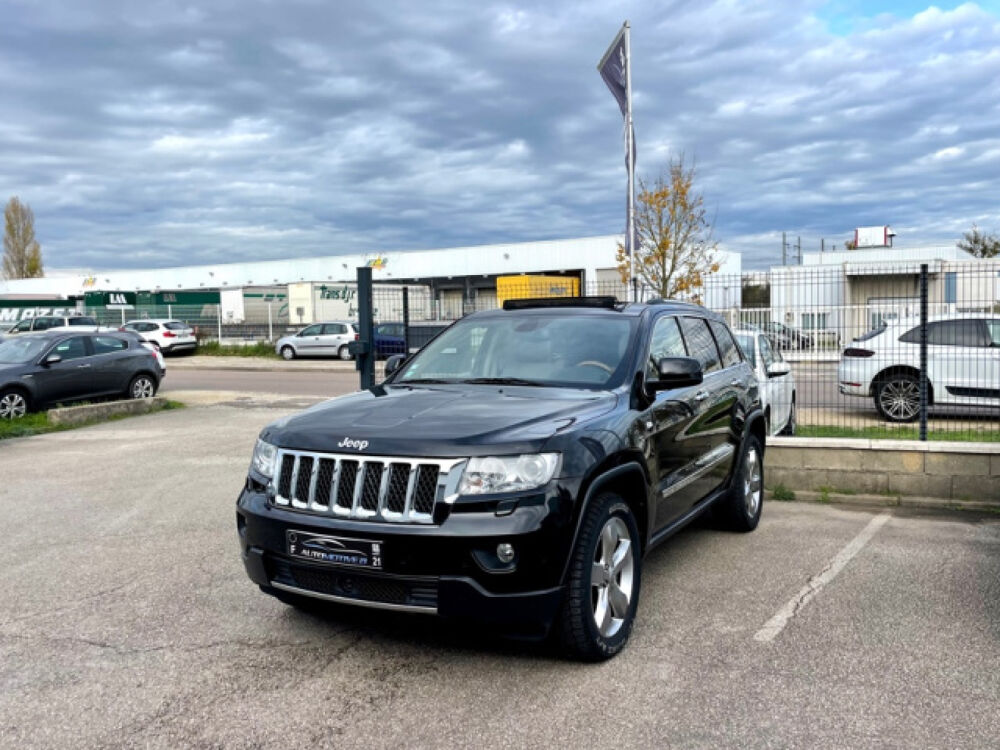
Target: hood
[(448, 420)]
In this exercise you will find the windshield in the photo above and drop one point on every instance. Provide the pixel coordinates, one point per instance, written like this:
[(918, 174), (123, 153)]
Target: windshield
[(21, 350), (560, 349), (746, 344)]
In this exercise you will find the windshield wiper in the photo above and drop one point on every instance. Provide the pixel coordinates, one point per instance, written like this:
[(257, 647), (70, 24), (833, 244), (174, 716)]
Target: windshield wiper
[(501, 381), (422, 381)]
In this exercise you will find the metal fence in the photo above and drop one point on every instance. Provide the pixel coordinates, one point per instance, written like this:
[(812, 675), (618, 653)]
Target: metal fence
[(860, 357)]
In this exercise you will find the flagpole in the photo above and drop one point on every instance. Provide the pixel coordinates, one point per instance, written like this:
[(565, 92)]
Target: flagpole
[(630, 153)]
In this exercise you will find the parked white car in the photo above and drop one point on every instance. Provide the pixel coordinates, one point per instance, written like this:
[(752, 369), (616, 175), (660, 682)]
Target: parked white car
[(963, 364), (80, 323), (167, 335), (777, 384), (327, 339)]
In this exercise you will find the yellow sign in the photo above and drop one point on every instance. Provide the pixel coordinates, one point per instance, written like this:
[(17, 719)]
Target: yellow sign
[(378, 262)]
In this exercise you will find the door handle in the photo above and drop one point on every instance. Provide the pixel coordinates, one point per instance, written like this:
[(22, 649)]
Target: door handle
[(736, 383), (81, 367), (701, 395)]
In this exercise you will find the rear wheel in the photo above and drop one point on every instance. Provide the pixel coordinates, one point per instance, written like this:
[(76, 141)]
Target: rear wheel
[(13, 404), (741, 507), (604, 579), (897, 398), (343, 352), (287, 353), (142, 386)]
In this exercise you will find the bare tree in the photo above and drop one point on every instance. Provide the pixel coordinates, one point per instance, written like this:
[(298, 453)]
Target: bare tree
[(22, 255), (674, 249), (980, 244)]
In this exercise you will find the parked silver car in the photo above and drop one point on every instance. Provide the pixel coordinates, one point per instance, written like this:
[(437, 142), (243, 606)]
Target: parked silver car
[(327, 339), (777, 384)]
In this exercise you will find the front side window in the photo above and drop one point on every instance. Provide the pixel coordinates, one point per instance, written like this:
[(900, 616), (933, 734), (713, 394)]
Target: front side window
[(71, 348), (745, 341), (44, 324), (701, 344), (315, 330), (24, 325), (767, 353), (560, 349), (666, 341), (727, 347), (334, 328)]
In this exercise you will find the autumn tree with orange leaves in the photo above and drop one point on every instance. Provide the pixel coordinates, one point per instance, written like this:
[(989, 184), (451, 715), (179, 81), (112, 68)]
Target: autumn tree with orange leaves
[(675, 250)]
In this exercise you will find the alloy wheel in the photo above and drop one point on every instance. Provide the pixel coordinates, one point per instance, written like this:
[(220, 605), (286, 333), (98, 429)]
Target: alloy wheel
[(900, 399), (12, 406), (142, 388), (611, 577), (751, 482)]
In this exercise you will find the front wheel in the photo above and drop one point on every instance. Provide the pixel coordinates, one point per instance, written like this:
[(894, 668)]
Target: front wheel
[(142, 386), (603, 588), (13, 404), (897, 398), (740, 508), (287, 353)]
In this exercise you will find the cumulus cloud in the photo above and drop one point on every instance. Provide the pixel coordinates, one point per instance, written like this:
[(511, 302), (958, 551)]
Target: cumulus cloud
[(176, 132)]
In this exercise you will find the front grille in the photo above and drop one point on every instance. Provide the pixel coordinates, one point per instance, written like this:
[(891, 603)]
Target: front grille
[(353, 585), (402, 490)]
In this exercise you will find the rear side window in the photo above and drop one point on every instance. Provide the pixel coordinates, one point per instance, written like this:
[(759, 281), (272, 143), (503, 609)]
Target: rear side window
[(727, 347), (950, 333), (174, 325), (81, 320), (666, 342), (108, 344), (700, 343)]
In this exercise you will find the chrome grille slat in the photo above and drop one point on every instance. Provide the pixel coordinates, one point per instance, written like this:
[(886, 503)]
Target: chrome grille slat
[(394, 489)]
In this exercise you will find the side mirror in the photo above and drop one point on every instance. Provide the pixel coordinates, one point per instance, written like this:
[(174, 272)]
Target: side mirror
[(676, 372), (777, 369), (394, 363), (52, 359)]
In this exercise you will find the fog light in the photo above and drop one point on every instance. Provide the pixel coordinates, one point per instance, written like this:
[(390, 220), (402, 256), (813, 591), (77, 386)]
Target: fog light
[(505, 552)]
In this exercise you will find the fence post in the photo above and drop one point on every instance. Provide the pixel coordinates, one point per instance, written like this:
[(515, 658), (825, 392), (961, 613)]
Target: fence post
[(406, 321), (365, 359), (923, 351), (270, 328), (218, 311), (170, 311)]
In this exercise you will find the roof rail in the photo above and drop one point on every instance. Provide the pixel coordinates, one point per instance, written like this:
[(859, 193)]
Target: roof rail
[(606, 303)]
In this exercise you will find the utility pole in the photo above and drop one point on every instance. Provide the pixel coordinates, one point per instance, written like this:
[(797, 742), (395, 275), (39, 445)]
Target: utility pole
[(784, 250)]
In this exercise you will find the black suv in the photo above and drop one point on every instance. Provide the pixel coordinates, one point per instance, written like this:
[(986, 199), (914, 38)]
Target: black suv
[(515, 471)]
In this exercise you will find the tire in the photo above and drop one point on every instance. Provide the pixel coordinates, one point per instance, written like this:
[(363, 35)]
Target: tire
[(897, 398), (741, 507), (344, 353), (14, 403), (142, 386), (595, 623), (287, 353), (792, 423)]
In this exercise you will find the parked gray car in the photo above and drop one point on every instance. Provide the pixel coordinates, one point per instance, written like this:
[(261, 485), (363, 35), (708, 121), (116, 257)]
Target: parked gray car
[(41, 369), (327, 339)]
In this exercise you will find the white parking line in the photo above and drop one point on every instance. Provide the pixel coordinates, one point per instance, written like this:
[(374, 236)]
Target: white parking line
[(773, 627)]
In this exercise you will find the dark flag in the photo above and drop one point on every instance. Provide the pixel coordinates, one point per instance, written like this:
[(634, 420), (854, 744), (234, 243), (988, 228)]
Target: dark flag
[(615, 70)]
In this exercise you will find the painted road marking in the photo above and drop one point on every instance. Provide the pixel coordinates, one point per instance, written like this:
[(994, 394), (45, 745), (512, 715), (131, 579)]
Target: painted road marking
[(773, 627)]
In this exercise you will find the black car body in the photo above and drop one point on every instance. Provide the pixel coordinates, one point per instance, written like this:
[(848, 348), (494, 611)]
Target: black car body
[(414, 477), (41, 369)]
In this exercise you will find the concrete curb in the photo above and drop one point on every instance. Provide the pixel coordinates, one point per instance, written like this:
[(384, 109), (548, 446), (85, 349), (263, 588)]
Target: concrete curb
[(887, 501), (72, 415)]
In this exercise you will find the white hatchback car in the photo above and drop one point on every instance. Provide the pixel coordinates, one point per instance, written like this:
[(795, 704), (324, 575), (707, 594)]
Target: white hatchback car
[(167, 335), (777, 384), (329, 339), (963, 364)]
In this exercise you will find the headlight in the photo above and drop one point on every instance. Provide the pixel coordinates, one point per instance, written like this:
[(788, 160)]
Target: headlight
[(489, 474), (264, 456)]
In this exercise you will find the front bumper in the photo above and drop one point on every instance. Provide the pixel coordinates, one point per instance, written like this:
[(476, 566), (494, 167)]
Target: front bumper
[(448, 569)]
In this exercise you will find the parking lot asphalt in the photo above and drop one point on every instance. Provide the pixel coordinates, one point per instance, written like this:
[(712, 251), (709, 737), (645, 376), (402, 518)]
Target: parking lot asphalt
[(127, 620)]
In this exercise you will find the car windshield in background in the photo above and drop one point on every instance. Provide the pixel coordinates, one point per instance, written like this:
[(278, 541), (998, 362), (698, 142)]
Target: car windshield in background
[(20, 350), (553, 349), (746, 344)]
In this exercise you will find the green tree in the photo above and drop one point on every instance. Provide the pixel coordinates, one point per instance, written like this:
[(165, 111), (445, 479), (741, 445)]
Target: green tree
[(674, 247), (980, 244), (22, 255)]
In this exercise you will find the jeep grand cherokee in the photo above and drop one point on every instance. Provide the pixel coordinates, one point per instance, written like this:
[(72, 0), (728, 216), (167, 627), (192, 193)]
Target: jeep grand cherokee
[(515, 471)]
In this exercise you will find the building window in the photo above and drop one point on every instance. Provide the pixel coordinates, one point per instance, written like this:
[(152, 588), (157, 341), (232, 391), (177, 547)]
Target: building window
[(814, 321), (951, 287)]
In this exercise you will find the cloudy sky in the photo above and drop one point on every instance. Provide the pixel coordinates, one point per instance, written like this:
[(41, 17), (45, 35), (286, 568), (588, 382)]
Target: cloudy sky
[(164, 133)]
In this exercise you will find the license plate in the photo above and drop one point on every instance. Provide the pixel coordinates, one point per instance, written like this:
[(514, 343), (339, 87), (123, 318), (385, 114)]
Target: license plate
[(336, 550)]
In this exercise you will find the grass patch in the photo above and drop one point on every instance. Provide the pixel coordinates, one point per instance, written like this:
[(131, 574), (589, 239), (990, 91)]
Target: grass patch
[(782, 493), (257, 349), (39, 424), (878, 432)]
